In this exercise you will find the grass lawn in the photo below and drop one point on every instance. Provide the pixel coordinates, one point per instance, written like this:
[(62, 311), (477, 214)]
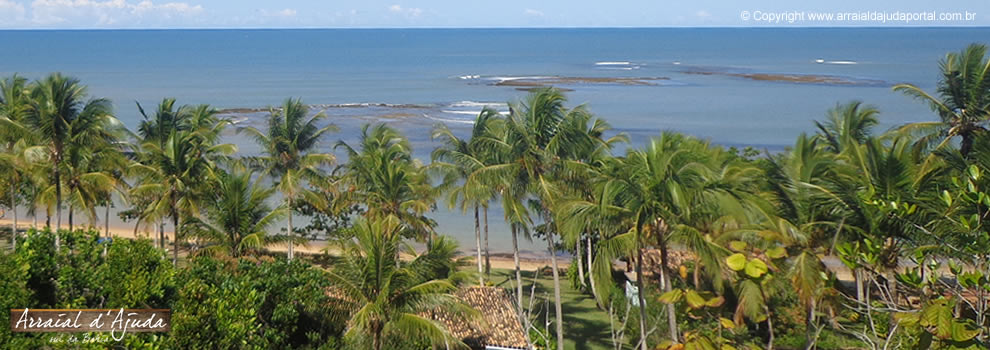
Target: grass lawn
[(585, 326)]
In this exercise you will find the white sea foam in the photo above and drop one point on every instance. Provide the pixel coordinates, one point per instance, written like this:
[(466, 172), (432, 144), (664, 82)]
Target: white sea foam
[(473, 113), (238, 120), (462, 112), (612, 63), (448, 120), (477, 104), (510, 78), (823, 61), (371, 104), (466, 77)]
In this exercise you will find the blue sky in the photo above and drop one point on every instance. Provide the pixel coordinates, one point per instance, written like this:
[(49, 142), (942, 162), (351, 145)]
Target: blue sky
[(66, 14)]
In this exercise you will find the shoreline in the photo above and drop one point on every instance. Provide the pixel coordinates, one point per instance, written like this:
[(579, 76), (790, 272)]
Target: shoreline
[(499, 260)]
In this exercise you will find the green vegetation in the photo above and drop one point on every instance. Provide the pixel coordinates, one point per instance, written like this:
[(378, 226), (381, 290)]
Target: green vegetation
[(851, 238)]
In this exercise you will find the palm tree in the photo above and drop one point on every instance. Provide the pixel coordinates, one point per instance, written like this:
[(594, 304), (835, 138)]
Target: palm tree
[(846, 124), (157, 128), (59, 114), (175, 175), (599, 211), (805, 219), (13, 105), (288, 147), (540, 134), (385, 299), (382, 175), (20, 172), (657, 185), (238, 214), (962, 99), (165, 120), (87, 178), (583, 162), (458, 159)]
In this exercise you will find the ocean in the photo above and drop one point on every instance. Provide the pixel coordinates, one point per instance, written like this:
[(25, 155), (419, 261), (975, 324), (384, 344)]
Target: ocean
[(707, 82)]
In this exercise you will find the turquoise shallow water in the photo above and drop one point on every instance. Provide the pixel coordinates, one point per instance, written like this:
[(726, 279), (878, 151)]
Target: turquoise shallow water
[(415, 78)]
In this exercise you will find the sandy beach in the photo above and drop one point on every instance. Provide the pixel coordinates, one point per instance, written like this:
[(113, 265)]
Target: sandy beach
[(498, 260)]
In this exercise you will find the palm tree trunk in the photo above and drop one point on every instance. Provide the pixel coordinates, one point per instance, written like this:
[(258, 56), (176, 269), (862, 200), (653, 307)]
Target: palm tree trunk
[(477, 241), (858, 276), (34, 216), (288, 203), (161, 234), (515, 257), (696, 274), (377, 342), (580, 263), (591, 278), (966, 144), (642, 300), (556, 292), (13, 207), (769, 328), (58, 206), (70, 217), (488, 263), (892, 290), (665, 279), (809, 342), (106, 221), (175, 239)]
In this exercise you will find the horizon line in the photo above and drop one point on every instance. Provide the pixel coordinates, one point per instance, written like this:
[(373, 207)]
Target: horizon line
[(775, 26)]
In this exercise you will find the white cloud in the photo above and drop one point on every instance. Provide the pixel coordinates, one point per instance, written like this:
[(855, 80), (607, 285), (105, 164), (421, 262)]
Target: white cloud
[(11, 11), (110, 13), (284, 13), (532, 12), (411, 12), (702, 14)]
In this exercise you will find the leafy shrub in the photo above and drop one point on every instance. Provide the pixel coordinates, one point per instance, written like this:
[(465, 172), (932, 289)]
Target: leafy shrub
[(251, 304)]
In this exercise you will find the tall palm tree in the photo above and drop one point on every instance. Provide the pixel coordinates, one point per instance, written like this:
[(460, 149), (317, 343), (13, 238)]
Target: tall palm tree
[(540, 133), (166, 119), (385, 299), (806, 218), (59, 113), (156, 128), (599, 211), (382, 175), (20, 171), (87, 177), (289, 152), (961, 100), (199, 122), (583, 162), (13, 105), (175, 173), (658, 184), (458, 159), (238, 215)]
